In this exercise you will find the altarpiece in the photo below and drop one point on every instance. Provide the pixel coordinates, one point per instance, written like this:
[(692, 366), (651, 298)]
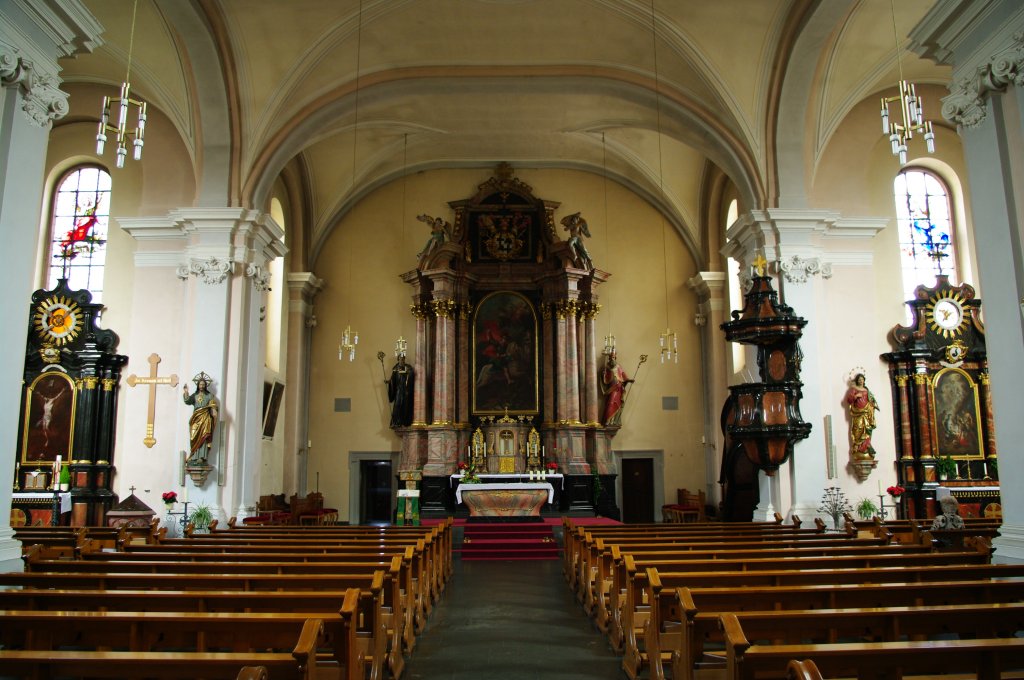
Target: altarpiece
[(942, 403), (68, 406), (506, 345)]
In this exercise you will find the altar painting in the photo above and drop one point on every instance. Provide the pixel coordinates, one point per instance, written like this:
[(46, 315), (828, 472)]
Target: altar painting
[(505, 355), (49, 419), (957, 415)]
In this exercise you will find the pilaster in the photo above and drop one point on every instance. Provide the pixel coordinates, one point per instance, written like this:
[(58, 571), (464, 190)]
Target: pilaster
[(711, 290), (302, 290), (984, 42)]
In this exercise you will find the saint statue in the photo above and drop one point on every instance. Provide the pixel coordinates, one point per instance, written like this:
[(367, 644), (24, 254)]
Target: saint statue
[(440, 233), (862, 407), (400, 393), (577, 228), (613, 385), (203, 420)]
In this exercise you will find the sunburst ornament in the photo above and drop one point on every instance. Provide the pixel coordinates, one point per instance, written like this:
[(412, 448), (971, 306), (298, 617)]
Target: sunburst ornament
[(945, 315), (58, 319)]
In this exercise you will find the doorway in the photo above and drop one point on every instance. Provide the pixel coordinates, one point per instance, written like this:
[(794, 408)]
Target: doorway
[(637, 490), (375, 491)]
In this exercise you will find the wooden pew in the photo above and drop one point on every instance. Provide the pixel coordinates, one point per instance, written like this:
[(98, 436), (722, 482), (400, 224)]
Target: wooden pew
[(984, 657), (190, 633), (379, 650), (297, 663), (690, 616), (643, 619), (609, 583)]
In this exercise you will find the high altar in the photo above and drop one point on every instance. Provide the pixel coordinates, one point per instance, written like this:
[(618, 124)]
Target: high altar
[(506, 345)]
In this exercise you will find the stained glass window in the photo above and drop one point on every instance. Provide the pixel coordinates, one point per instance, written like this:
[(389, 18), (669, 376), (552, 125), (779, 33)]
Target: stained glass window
[(925, 229), (78, 245)]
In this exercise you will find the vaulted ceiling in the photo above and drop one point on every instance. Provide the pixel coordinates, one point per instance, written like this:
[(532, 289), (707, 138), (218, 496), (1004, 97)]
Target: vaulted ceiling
[(651, 93)]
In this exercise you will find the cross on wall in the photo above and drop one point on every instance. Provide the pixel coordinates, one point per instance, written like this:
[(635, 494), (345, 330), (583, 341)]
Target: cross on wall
[(152, 380)]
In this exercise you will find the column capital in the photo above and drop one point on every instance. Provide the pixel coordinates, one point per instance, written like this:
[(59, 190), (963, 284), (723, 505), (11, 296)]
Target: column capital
[(984, 42), (305, 284), (707, 285), (34, 34)]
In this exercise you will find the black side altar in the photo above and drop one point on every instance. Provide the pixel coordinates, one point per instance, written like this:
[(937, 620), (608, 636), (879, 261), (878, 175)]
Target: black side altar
[(69, 402)]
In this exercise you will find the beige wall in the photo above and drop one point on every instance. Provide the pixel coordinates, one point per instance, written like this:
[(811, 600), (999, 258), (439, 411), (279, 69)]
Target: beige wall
[(374, 245)]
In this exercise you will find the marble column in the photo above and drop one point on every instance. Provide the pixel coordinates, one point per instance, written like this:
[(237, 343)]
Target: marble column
[(572, 367), (302, 289), (419, 404), (591, 392), (30, 99), (548, 414)]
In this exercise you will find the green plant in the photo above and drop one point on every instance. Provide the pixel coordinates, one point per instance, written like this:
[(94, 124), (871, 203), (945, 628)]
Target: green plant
[(866, 508), (201, 517), (65, 475), (946, 467)]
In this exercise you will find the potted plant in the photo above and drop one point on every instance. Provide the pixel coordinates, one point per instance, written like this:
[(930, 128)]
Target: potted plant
[(169, 499), (201, 518), (866, 508), (946, 467), (896, 491), (65, 478)]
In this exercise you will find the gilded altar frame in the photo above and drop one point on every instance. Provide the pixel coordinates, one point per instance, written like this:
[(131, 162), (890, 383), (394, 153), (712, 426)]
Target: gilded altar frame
[(956, 412), (48, 423)]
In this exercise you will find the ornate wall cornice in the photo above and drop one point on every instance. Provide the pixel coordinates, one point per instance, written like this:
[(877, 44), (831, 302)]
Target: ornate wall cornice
[(796, 269), (42, 100), (212, 270), (965, 105)]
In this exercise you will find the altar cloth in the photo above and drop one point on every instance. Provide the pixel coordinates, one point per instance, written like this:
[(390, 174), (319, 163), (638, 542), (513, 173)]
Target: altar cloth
[(508, 486)]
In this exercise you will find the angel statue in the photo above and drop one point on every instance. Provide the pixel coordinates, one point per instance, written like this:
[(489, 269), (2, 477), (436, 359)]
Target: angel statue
[(440, 232), (577, 228)]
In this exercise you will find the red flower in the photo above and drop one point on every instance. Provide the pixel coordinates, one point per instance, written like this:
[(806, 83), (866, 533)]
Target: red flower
[(463, 465), (895, 490), (170, 497), (552, 466)]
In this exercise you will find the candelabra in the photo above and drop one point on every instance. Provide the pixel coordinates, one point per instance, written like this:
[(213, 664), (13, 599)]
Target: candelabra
[(349, 340)]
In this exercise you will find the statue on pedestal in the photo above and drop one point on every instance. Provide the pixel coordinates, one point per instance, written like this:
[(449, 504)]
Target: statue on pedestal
[(202, 421)]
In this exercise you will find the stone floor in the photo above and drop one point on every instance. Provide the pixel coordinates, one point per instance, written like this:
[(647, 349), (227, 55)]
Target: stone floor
[(511, 620)]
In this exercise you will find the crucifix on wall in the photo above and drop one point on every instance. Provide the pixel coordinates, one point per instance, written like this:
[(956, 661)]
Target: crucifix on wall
[(153, 380)]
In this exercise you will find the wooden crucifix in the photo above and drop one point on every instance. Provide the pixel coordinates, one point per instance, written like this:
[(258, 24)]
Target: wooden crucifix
[(153, 380)]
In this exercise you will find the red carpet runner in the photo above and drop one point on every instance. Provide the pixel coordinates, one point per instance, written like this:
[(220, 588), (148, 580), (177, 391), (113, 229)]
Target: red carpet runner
[(509, 542)]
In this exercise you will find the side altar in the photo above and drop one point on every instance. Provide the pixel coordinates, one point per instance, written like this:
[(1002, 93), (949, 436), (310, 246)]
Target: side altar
[(506, 370)]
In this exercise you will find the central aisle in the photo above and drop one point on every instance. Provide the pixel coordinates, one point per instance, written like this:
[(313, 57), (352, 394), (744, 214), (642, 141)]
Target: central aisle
[(510, 620)]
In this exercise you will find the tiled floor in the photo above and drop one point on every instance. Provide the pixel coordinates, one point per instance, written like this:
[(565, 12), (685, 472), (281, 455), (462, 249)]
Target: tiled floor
[(512, 620)]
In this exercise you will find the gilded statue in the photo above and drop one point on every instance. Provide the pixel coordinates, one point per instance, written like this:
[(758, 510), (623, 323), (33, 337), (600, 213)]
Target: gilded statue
[(862, 407), (203, 419)]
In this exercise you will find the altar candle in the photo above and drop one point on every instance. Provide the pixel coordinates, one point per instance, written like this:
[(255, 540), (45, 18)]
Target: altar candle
[(879, 487), (56, 469)]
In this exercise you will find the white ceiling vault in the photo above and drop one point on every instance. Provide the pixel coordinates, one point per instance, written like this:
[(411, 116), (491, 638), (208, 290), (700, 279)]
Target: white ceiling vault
[(755, 88)]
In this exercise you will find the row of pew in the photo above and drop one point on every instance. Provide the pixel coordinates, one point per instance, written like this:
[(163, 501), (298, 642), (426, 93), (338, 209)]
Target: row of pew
[(304, 602), (735, 601)]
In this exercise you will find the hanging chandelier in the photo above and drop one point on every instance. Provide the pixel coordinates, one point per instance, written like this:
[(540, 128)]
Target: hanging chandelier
[(350, 338), (122, 102), (910, 118)]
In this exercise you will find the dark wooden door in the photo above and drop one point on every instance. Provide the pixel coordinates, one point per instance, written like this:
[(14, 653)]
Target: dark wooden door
[(637, 490), (375, 491)]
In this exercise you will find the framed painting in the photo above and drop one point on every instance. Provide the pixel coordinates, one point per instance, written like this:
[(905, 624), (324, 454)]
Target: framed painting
[(49, 419), (957, 415), (505, 374), (273, 407)]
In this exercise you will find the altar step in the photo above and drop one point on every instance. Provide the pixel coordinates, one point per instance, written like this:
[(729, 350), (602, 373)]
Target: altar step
[(508, 542)]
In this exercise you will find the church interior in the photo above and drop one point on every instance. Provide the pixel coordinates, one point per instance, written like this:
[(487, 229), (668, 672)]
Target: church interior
[(632, 260), (505, 195)]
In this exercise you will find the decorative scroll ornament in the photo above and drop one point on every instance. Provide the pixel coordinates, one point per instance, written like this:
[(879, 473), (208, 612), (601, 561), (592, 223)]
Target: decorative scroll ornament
[(260, 277), (212, 270), (43, 100), (798, 270), (746, 281), (966, 104)]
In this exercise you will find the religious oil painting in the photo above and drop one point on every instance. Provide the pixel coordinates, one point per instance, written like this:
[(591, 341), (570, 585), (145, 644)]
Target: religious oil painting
[(505, 355), (49, 419), (957, 415)]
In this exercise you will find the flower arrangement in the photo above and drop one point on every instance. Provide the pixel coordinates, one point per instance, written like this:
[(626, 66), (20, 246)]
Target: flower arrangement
[(552, 467), (468, 473), (170, 497), (895, 491), (463, 466)]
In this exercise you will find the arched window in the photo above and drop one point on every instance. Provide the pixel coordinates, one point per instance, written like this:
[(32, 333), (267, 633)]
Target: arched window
[(78, 230), (925, 229)]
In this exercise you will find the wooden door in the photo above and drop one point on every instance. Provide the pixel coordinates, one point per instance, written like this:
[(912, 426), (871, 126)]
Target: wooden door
[(637, 490), (375, 491)]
